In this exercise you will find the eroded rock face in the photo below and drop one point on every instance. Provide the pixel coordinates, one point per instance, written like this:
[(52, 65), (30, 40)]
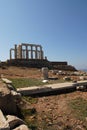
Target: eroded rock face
[(7, 102), (8, 106)]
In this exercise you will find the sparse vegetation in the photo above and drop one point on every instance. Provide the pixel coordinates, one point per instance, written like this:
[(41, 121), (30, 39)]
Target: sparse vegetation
[(23, 82), (30, 100), (29, 116), (28, 82), (29, 112), (79, 107)]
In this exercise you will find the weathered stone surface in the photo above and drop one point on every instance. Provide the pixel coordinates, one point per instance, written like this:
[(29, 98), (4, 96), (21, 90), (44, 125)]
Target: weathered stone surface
[(7, 81), (45, 73), (8, 105), (7, 101), (3, 123), (3, 89), (17, 96), (36, 49), (14, 121), (22, 127)]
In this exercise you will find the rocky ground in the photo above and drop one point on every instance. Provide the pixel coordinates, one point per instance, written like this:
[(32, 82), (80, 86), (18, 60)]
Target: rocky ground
[(20, 72), (54, 112)]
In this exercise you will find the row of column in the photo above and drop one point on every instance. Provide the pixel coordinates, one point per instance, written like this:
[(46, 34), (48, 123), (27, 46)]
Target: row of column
[(20, 53)]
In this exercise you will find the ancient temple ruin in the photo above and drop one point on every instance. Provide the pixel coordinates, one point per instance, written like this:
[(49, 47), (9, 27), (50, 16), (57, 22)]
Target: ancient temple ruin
[(32, 55), (26, 51)]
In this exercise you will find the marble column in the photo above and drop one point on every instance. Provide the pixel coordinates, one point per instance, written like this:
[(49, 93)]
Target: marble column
[(19, 52), (41, 56), (12, 50), (23, 54), (10, 54), (31, 52), (26, 52), (36, 53), (15, 51)]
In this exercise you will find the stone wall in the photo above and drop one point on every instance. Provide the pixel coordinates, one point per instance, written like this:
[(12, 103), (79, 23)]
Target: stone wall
[(39, 63), (32, 63)]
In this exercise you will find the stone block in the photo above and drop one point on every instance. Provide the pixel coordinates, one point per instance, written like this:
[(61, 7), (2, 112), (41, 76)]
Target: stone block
[(14, 121), (45, 73)]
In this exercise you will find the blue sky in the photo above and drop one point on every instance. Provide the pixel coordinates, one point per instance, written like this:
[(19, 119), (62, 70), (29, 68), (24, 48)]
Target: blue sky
[(60, 26)]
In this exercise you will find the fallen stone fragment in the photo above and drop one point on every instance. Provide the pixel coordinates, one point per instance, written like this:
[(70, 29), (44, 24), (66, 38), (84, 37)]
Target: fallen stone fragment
[(14, 121)]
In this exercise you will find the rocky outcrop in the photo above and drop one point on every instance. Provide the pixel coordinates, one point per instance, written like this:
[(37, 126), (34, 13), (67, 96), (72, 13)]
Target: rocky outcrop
[(7, 100), (11, 122)]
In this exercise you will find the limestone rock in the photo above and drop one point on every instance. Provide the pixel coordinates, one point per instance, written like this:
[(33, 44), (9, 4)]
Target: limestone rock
[(22, 127), (14, 121), (45, 73), (3, 123), (45, 81), (17, 96)]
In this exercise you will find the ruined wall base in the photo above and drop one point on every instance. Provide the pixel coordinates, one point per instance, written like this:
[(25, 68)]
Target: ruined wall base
[(39, 63), (33, 63)]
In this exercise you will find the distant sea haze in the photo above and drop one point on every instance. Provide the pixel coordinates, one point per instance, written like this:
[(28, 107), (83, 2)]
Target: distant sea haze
[(84, 70)]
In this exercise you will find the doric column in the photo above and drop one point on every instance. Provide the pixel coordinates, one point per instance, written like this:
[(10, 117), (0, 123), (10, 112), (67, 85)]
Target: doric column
[(12, 50), (36, 52), (23, 54), (20, 52), (15, 52), (31, 52), (41, 54), (26, 52), (10, 54)]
